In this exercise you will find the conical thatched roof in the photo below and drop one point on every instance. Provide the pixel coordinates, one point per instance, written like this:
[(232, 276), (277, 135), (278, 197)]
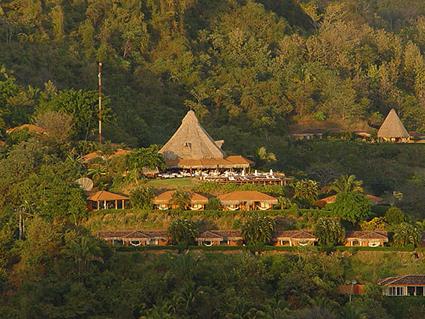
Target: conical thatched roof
[(191, 141), (392, 127)]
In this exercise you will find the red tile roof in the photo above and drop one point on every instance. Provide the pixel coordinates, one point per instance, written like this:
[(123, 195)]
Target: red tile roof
[(134, 234), (406, 280), (220, 235), (165, 198), (246, 196), (332, 199), (106, 196), (367, 234), (298, 234)]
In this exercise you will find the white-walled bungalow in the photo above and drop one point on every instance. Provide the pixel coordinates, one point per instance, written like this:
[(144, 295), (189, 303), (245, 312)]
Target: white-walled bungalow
[(407, 285), (164, 201), (295, 238), (220, 238), (136, 238), (247, 200), (366, 238)]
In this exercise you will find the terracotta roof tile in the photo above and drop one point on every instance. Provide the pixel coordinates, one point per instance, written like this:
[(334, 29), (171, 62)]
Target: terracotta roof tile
[(134, 234), (246, 196), (165, 198), (298, 234), (417, 280), (220, 235), (106, 196), (367, 234)]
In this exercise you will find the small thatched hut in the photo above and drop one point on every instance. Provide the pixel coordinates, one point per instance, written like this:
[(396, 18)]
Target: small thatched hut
[(191, 147), (393, 130)]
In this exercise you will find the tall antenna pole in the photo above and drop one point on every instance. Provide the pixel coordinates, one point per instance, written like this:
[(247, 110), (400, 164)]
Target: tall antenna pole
[(99, 75)]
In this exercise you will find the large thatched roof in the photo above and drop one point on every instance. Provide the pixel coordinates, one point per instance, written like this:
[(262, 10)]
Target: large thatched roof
[(392, 127), (191, 141)]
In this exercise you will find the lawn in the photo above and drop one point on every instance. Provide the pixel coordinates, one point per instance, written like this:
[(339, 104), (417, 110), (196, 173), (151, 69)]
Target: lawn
[(175, 183)]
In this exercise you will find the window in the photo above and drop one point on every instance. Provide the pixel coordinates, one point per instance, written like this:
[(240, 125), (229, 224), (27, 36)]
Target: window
[(285, 243), (411, 291), (419, 291), (395, 291)]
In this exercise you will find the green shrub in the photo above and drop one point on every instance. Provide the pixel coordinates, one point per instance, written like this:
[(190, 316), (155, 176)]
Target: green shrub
[(329, 231), (258, 230), (183, 232), (394, 216), (214, 204), (141, 197)]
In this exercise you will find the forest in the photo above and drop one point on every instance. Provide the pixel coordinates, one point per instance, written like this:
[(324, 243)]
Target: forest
[(248, 68), (251, 70)]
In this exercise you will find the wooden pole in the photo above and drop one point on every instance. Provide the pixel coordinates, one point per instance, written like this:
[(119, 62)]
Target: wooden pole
[(99, 75)]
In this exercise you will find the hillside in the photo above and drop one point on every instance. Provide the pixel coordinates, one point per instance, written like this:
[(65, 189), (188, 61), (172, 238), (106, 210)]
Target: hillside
[(248, 68), (270, 224)]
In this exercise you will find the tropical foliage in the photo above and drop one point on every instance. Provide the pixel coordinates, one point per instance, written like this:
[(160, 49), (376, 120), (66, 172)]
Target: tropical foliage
[(351, 206), (141, 197), (183, 232), (181, 199), (306, 192), (258, 230), (347, 184), (329, 231), (394, 216), (406, 234)]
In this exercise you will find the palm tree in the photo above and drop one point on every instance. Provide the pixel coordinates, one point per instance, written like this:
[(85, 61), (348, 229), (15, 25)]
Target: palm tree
[(347, 184), (406, 234), (306, 191), (181, 199), (258, 230), (83, 250)]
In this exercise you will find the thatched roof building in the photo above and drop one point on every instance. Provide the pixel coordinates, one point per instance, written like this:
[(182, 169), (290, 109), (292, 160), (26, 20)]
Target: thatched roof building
[(192, 147), (393, 129)]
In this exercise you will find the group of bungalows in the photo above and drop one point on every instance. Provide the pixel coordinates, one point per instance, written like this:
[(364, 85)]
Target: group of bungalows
[(238, 200), (291, 238), (233, 201)]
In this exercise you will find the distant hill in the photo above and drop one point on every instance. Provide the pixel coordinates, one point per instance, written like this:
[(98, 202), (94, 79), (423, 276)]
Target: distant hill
[(248, 68)]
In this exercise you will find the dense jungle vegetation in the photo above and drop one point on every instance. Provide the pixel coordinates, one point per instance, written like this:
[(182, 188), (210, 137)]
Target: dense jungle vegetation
[(250, 70)]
